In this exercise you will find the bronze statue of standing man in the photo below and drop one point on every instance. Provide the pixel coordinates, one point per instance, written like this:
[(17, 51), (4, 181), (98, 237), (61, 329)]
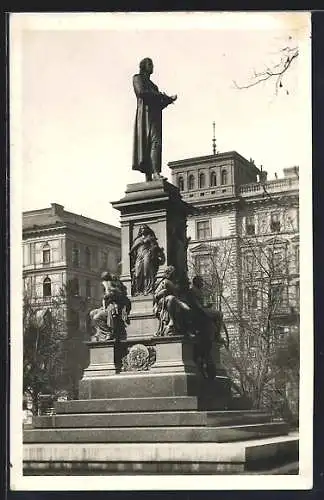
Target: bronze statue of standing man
[(148, 122)]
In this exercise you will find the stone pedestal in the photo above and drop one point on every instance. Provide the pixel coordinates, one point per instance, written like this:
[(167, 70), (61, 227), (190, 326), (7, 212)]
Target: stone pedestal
[(144, 365), (151, 368), (159, 205)]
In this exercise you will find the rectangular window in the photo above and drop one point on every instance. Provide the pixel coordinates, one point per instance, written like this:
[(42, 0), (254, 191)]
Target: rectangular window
[(250, 225), (248, 262), (251, 299), (88, 288), (203, 265), (275, 223), (263, 223), (203, 230), (75, 287), (94, 257), (75, 256), (277, 260), (297, 295), (31, 253), (74, 319), (296, 257), (280, 333), (104, 260), (46, 256), (252, 341), (276, 296), (253, 352), (87, 255)]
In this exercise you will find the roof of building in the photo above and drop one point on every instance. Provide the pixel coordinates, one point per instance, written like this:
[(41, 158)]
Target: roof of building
[(209, 158), (55, 214)]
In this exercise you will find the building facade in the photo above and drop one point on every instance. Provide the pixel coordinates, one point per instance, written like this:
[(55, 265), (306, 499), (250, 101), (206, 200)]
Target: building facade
[(244, 241), (64, 255)]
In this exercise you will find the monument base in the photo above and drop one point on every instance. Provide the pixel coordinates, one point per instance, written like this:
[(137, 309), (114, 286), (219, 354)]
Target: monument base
[(144, 404), (145, 408), (150, 368)]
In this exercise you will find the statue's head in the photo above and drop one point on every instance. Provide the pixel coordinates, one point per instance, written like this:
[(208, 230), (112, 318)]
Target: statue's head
[(144, 230), (146, 66), (198, 282), (106, 276), (169, 272), (141, 230)]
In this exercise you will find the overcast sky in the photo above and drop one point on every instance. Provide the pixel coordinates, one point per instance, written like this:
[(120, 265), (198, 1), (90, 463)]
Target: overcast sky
[(72, 81)]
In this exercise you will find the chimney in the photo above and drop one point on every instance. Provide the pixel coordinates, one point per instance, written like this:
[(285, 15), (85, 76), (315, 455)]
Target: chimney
[(263, 176), (57, 209), (291, 172)]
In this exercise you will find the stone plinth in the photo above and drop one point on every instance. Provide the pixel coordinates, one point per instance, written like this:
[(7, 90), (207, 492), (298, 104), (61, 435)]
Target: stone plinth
[(143, 322), (102, 362), (168, 371), (174, 355)]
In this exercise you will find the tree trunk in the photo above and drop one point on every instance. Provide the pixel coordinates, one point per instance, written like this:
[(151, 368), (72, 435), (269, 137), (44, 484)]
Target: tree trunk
[(35, 404)]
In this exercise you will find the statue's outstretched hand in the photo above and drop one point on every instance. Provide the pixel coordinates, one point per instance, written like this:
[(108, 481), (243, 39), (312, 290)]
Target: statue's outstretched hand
[(166, 99)]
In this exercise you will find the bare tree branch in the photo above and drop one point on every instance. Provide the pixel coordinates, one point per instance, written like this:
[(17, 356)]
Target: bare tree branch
[(276, 72)]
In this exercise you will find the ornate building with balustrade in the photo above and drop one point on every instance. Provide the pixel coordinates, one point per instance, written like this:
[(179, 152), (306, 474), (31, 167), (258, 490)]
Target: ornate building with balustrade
[(244, 239)]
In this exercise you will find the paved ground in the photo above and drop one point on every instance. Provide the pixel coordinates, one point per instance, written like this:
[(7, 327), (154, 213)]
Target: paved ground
[(283, 469)]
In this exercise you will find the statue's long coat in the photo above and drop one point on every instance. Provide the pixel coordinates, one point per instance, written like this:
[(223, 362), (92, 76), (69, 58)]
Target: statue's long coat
[(148, 121)]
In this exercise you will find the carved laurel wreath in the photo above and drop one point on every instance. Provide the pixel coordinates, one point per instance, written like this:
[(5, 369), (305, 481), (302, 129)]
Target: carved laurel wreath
[(139, 358)]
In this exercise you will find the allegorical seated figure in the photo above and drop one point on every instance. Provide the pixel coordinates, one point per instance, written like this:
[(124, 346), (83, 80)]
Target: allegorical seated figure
[(207, 324), (168, 305), (111, 318), (205, 317)]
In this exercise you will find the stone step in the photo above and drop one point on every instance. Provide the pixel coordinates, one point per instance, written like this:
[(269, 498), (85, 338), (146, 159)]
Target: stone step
[(97, 384), (151, 404), (127, 405), (155, 434), (172, 458), (147, 419)]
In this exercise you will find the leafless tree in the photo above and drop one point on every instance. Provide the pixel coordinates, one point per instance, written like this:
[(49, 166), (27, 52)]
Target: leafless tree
[(259, 303), (43, 335), (275, 72), (54, 355)]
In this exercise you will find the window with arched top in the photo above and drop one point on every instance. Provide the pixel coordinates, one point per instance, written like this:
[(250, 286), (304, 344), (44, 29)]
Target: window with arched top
[(181, 183), (87, 257), (202, 180), (224, 177), (46, 254), (213, 181), (191, 182), (47, 287)]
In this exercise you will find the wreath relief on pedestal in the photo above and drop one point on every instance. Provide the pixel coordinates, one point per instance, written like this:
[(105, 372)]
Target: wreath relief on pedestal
[(139, 358)]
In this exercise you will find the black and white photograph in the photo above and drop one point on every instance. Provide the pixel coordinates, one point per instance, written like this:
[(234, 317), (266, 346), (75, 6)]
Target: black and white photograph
[(161, 240)]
